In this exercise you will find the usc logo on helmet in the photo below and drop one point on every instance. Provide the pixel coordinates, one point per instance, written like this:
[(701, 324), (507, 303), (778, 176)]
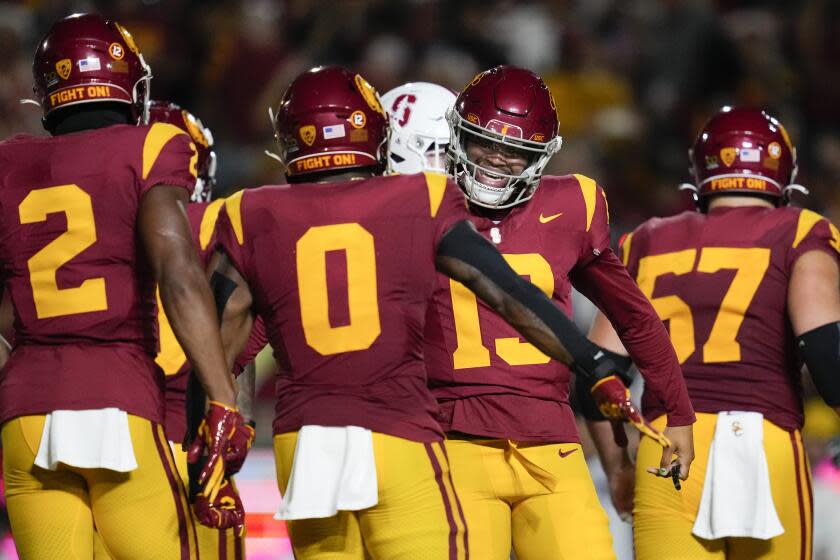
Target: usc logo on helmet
[(307, 134), (727, 156), (63, 67)]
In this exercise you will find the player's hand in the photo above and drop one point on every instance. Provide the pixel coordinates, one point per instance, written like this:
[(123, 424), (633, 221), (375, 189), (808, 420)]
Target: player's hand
[(613, 400), (680, 454), (223, 512), (622, 483), (239, 445), (214, 435)]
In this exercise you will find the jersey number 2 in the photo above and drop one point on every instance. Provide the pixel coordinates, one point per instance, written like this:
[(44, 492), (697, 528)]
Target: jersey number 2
[(749, 265), (76, 205)]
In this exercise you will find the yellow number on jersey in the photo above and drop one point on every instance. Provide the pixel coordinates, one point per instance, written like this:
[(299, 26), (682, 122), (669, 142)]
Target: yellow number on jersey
[(76, 205), (750, 265), (364, 326), (670, 308), (470, 352)]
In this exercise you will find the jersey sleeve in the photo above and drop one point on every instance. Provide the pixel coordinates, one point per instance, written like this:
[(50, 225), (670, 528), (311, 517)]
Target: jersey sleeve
[(447, 203), (607, 284), (230, 233), (630, 246), (169, 158), (597, 220), (814, 233), (205, 229)]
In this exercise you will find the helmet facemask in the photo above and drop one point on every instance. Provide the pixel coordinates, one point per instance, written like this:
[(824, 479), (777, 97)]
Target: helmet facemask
[(517, 188), (413, 153)]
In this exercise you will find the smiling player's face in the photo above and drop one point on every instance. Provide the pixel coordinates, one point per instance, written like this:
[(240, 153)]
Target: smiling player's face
[(496, 157)]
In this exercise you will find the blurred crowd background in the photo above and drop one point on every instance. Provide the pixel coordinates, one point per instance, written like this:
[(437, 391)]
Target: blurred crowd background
[(633, 79)]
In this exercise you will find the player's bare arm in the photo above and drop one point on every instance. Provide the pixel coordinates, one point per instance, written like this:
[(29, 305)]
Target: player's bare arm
[(184, 291), (233, 304), (814, 310)]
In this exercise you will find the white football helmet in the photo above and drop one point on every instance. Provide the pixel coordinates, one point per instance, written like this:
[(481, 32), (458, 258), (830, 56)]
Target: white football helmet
[(419, 131)]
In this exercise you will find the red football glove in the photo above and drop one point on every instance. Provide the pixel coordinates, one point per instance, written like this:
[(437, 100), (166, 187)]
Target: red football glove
[(238, 446), (225, 512), (613, 400), (214, 435)]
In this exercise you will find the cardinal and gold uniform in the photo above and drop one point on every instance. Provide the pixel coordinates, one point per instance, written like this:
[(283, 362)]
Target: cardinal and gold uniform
[(212, 543), (84, 305), (720, 282), (512, 440), (344, 296)]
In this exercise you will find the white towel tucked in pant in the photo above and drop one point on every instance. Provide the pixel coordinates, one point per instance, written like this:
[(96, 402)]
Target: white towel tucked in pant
[(88, 439), (334, 470), (737, 500)]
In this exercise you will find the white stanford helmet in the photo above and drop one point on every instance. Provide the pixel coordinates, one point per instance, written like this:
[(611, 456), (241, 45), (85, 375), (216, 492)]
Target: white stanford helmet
[(419, 131)]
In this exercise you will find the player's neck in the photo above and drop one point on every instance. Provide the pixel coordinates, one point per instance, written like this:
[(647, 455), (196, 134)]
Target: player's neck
[(732, 201), (88, 119)]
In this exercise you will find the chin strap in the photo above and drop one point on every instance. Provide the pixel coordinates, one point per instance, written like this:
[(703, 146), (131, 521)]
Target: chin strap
[(695, 193), (788, 191), (274, 155)]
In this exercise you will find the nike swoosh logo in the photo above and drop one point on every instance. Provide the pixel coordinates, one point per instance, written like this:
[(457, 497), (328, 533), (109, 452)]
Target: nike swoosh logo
[(546, 219), (567, 453)]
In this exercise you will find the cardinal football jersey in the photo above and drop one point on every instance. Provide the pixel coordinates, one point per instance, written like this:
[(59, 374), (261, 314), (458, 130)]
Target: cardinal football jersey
[(342, 274), (719, 281), (82, 291), (487, 379)]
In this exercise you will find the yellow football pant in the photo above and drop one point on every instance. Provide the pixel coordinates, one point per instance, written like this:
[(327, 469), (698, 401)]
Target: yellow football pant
[(663, 518), (213, 544), (141, 514), (418, 516), (539, 499)]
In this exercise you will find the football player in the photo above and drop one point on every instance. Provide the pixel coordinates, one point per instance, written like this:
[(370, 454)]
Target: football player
[(742, 283), (419, 133), (202, 215), (90, 219), (511, 434), (342, 269)]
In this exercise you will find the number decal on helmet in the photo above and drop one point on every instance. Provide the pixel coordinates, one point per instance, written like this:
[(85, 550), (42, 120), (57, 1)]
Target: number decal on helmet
[(358, 119), (116, 51)]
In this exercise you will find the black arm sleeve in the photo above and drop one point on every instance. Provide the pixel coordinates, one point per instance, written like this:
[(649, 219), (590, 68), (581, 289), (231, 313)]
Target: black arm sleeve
[(821, 351), (465, 244)]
